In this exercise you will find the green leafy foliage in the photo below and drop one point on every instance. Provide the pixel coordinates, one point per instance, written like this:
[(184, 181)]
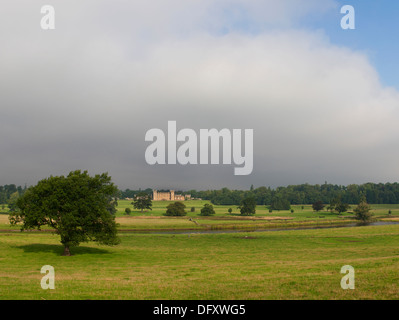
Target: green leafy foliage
[(248, 206), (375, 193), (318, 206), (279, 203), (342, 207), (207, 210), (142, 201), (12, 201), (79, 207), (362, 212), (176, 209)]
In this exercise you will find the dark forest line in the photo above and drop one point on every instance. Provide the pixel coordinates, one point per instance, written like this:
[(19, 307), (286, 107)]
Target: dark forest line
[(374, 193)]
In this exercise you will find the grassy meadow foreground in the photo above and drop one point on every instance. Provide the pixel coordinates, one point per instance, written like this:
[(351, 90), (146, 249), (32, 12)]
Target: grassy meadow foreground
[(288, 264)]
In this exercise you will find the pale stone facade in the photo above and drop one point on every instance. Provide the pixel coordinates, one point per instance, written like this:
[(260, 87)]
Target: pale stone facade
[(169, 196)]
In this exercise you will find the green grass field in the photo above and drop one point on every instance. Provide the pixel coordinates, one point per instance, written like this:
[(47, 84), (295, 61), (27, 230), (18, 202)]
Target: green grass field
[(154, 219), (289, 264), (300, 264)]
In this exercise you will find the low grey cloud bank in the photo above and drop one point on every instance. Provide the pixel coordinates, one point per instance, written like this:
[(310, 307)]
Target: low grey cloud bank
[(84, 95)]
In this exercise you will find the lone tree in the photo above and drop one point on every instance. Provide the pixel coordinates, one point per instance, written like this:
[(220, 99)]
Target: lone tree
[(176, 209), (342, 207), (142, 201), (362, 211), (247, 206), (318, 206), (207, 210), (337, 205), (80, 208)]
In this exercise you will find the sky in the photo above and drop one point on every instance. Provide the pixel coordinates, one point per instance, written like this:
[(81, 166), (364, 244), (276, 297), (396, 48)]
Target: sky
[(323, 102)]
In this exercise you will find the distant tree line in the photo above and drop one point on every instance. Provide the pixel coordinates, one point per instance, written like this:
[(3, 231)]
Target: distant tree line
[(9, 191), (373, 193), (127, 193)]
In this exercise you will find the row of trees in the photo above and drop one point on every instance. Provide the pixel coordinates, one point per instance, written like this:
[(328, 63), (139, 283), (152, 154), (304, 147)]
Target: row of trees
[(336, 204), (178, 209), (9, 194), (374, 193), (248, 207)]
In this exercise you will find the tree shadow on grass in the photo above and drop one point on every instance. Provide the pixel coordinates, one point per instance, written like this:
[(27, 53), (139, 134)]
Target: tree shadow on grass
[(59, 249)]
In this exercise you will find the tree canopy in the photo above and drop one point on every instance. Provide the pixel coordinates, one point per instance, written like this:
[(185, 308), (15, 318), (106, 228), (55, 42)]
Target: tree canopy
[(176, 209), (78, 207), (142, 201), (342, 207), (280, 203), (207, 210), (375, 193), (248, 206), (318, 206), (362, 212)]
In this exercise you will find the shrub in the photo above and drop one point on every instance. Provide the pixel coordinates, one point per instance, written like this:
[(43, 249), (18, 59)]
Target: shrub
[(342, 207), (192, 209), (128, 211), (207, 210), (248, 206), (176, 209), (318, 206), (362, 211), (230, 210)]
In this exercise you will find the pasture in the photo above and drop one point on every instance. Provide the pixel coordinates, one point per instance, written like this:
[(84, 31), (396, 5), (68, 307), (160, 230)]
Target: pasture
[(288, 264)]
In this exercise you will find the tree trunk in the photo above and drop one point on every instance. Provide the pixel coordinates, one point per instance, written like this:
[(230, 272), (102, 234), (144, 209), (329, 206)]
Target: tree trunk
[(66, 251)]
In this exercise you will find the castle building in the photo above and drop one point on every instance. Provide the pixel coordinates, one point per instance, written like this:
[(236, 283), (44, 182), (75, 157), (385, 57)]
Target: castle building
[(169, 196)]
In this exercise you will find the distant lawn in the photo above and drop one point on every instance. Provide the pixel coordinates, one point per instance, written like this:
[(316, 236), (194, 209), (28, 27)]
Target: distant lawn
[(155, 219)]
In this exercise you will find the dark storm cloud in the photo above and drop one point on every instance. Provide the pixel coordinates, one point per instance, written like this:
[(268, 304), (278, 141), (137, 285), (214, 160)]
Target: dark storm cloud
[(83, 96)]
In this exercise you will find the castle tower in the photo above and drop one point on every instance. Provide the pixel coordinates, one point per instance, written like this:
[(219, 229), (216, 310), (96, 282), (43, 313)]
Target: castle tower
[(172, 195), (154, 195)]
